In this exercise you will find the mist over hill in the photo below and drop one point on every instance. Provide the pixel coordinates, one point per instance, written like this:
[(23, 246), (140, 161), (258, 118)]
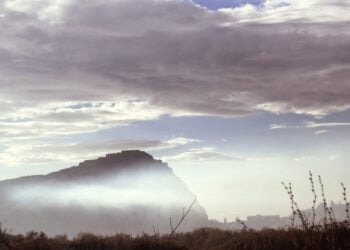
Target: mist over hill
[(128, 192)]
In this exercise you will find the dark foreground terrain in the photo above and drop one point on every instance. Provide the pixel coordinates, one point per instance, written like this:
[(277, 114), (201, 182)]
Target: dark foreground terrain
[(335, 236)]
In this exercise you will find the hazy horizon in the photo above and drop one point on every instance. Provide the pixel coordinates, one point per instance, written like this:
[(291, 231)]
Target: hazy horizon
[(235, 95)]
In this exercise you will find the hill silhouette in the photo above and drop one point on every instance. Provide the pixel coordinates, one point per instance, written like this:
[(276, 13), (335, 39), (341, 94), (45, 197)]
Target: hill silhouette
[(127, 192)]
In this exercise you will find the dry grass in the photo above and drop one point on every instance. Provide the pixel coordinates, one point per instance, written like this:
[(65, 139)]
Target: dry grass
[(337, 238)]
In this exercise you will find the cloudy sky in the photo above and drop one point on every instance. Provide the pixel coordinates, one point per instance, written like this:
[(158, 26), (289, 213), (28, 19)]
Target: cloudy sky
[(235, 95)]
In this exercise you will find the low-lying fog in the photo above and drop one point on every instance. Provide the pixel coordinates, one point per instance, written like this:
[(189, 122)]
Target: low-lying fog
[(128, 189), (131, 202)]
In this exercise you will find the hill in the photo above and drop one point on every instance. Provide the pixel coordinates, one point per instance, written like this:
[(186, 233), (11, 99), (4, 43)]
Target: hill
[(127, 192)]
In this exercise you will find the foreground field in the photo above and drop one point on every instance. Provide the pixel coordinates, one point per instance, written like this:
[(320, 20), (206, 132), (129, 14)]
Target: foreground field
[(333, 237)]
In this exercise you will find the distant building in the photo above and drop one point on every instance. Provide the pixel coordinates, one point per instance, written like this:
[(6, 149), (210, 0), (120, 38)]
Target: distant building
[(266, 221)]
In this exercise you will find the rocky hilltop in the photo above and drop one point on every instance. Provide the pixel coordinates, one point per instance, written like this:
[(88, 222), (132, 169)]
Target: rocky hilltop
[(127, 192), (131, 160)]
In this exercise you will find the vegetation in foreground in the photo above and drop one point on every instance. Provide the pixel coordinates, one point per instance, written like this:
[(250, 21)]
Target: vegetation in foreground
[(337, 237), (304, 233)]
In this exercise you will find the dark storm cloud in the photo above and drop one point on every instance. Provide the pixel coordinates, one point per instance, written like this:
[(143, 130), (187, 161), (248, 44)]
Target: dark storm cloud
[(172, 54)]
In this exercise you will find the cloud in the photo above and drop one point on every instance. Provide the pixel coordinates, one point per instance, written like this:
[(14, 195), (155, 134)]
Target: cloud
[(71, 67), (312, 125), (39, 152), (320, 132), (326, 124), (296, 11), (316, 158), (279, 126), (69, 118), (306, 158), (202, 154), (181, 141), (158, 51)]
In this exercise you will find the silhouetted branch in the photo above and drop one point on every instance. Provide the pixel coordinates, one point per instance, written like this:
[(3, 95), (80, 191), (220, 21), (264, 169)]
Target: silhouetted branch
[(347, 204), (314, 198), (156, 231), (184, 214), (295, 207), (171, 224), (325, 206), (245, 227), (291, 197)]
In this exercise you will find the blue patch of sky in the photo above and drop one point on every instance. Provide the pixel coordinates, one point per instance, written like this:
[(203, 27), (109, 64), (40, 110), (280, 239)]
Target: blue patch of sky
[(282, 4), (80, 105), (343, 116), (249, 135), (219, 4)]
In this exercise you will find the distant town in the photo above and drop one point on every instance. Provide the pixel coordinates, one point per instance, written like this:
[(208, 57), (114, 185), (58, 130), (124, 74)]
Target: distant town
[(276, 221)]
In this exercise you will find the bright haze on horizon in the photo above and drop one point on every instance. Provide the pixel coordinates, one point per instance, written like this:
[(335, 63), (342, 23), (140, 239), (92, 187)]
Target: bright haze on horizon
[(235, 95)]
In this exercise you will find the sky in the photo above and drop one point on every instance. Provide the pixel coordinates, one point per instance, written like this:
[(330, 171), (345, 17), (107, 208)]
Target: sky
[(236, 96)]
